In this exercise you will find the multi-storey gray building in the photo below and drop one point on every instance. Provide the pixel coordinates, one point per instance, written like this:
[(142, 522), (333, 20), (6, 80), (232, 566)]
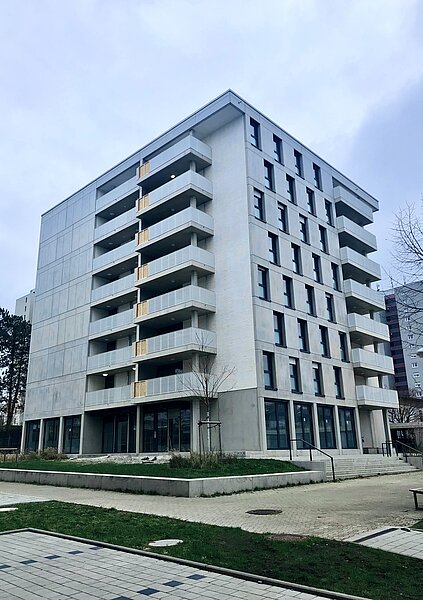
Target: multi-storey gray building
[(24, 306), (223, 238)]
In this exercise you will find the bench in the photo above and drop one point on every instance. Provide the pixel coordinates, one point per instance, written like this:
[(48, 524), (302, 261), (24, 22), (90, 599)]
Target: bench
[(415, 492)]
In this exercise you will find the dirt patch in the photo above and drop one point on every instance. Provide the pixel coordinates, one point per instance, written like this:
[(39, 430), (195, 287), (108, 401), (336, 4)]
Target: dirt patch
[(286, 537)]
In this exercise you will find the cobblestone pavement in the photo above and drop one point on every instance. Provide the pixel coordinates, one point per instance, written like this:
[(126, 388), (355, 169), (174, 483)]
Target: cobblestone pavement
[(35, 566), (397, 540), (332, 510)]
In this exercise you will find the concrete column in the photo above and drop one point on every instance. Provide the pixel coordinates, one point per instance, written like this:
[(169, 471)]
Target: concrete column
[(193, 202), (82, 434), (195, 417), (61, 431), (23, 435), (292, 431), (194, 278), (194, 239), (358, 430), (193, 166), (337, 429), (386, 425), (194, 318), (316, 427), (138, 429), (41, 436)]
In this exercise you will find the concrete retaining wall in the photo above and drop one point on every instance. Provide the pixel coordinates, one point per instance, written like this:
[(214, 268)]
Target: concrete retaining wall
[(188, 488)]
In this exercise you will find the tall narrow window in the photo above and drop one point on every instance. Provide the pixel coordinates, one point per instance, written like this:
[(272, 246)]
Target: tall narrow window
[(269, 178), (303, 425), (329, 212), (288, 292), (259, 212), (304, 229), (317, 378), (330, 308), (324, 341), (302, 335), (347, 427), (292, 197), (317, 268), (263, 283), (317, 176), (326, 427), (277, 424), (337, 377), (273, 248), (311, 203), (255, 133), (279, 329), (283, 217), (296, 259), (343, 346), (298, 163), (323, 235), (335, 277), (310, 300), (294, 375), (269, 370), (277, 148)]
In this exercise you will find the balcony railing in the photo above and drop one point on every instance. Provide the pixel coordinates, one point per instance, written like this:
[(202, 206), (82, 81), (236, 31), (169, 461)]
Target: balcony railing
[(359, 267), (115, 255), (117, 193), (355, 236), (109, 397), (188, 254), (375, 397), (125, 218), (368, 328), (190, 217), (371, 363), (188, 296), (184, 384), (122, 319), (110, 359), (189, 181), (362, 298), (125, 284), (189, 339), (352, 207)]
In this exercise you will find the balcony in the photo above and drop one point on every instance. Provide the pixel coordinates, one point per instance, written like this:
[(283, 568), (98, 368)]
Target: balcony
[(126, 218), (352, 207), (110, 360), (116, 193), (117, 287), (182, 343), (358, 267), (109, 398), (173, 161), (166, 388), (122, 320), (362, 299), (118, 254), (354, 236), (179, 191), (176, 229), (371, 364), (177, 305), (375, 398), (364, 330)]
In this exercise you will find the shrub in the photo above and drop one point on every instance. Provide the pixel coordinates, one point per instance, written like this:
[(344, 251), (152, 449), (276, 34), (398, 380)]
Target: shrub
[(46, 454), (201, 461)]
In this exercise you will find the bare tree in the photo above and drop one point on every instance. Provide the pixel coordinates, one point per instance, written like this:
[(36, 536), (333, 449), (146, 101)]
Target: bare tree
[(409, 410)]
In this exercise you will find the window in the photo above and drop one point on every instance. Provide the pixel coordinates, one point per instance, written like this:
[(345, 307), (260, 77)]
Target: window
[(296, 259), (339, 387), (317, 378), (347, 427), (288, 292), (279, 329), (410, 336), (303, 229), (283, 217), (255, 133), (294, 375), (259, 205), (311, 203), (414, 365), (298, 163), (310, 300), (335, 277), (269, 370), (326, 427), (343, 346), (303, 425), (317, 268), (269, 180), (330, 308), (302, 335), (71, 435), (273, 248), (329, 212), (324, 341), (263, 283), (416, 374), (323, 235), (317, 176), (277, 148), (291, 189), (277, 425)]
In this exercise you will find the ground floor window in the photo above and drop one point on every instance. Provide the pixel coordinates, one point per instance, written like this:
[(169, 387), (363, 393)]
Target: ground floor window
[(32, 436), (119, 433), (303, 425), (277, 424), (347, 427), (326, 427), (51, 433), (167, 428), (72, 434)]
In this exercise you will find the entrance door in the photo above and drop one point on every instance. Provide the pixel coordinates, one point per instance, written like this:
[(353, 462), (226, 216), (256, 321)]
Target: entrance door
[(122, 434), (167, 428)]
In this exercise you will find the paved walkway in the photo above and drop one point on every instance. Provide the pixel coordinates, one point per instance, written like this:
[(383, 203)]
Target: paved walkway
[(332, 510), (394, 539), (35, 566)]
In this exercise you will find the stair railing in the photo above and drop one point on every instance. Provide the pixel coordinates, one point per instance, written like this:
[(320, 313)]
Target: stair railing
[(310, 449), (388, 447), (406, 453)]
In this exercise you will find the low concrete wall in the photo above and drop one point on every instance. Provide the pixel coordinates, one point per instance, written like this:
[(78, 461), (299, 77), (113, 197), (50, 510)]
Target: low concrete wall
[(416, 461), (163, 486)]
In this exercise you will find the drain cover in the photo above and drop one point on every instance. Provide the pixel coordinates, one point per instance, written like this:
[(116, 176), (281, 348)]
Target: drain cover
[(161, 543), (264, 511)]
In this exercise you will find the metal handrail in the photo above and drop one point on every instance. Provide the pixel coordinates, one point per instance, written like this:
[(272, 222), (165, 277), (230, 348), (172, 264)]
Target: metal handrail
[(414, 450), (310, 449), (388, 446)]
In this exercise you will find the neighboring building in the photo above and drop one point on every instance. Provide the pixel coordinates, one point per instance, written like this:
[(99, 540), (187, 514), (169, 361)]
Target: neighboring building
[(24, 306), (225, 237)]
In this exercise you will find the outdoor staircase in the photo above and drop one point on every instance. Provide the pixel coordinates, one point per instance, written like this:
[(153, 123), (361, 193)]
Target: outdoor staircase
[(349, 467)]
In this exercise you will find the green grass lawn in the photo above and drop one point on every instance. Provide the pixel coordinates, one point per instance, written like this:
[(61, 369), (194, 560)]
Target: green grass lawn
[(338, 566), (240, 467)]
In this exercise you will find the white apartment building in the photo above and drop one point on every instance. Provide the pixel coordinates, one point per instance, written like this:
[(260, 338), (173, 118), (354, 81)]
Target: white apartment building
[(224, 238), (24, 306)]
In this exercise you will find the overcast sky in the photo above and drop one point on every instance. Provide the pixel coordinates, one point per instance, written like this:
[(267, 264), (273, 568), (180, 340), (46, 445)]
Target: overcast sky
[(84, 83)]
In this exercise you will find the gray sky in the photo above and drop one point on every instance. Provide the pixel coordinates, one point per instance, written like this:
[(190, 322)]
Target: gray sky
[(85, 83)]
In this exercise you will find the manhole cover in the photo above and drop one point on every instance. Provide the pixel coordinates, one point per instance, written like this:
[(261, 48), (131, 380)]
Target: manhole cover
[(264, 511), (161, 543)]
